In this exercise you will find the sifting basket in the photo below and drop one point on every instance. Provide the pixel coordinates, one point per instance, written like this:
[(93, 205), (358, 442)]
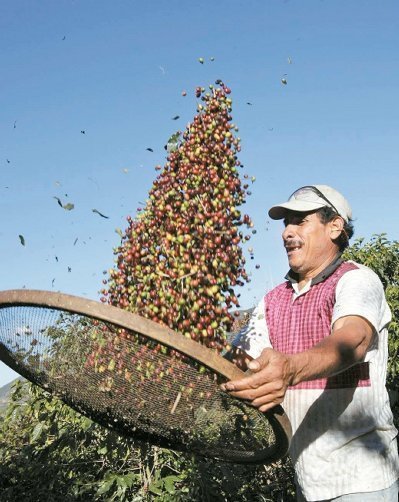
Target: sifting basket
[(135, 376)]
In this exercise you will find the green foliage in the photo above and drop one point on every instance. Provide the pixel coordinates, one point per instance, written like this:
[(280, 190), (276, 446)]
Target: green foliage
[(48, 452), (382, 256)]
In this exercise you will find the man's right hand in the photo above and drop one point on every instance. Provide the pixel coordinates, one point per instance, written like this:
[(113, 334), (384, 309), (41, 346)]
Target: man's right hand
[(270, 377)]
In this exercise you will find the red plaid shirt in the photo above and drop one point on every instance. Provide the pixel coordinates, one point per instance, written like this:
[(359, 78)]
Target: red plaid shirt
[(299, 324)]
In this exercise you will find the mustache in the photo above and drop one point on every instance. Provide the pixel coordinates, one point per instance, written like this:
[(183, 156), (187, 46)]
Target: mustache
[(292, 243)]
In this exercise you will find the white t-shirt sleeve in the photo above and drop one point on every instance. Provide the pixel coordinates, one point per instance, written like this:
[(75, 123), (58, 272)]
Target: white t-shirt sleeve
[(360, 292), (254, 337)]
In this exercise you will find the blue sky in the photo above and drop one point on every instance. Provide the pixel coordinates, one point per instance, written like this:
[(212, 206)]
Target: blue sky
[(116, 70)]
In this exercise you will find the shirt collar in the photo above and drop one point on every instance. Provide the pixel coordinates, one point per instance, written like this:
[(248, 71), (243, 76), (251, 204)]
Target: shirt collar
[(292, 277)]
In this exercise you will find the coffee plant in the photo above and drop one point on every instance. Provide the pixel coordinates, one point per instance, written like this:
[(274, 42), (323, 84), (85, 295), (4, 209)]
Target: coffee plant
[(382, 256)]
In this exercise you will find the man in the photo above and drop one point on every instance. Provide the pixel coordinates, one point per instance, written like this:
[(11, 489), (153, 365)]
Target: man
[(318, 344)]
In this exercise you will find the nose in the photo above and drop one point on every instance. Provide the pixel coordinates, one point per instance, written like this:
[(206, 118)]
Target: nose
[(288, 232)]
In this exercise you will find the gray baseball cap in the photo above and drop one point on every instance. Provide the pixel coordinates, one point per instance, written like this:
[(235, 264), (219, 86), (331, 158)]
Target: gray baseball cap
[(311, 198)]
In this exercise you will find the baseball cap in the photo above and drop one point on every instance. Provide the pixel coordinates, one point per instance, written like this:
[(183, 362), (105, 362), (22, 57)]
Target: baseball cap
[(311, 198)]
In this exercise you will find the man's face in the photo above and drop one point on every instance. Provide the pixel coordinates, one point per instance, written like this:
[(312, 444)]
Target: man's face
[(308, 243)]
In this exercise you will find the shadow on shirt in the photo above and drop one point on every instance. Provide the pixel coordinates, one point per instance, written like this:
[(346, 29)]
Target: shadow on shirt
[(327, 414)]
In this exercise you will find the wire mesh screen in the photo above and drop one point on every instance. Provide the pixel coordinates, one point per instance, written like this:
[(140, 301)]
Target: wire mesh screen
[(136, 385)]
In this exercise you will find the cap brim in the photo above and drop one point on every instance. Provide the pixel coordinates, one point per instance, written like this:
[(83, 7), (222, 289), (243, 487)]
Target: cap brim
[(300, 206)]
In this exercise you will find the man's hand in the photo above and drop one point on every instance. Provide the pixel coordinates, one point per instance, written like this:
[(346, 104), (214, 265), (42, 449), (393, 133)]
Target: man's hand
[(267, 385)]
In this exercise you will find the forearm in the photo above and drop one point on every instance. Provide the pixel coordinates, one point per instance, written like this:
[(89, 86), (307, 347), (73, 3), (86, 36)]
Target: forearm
[(336, 353), (273, 372)]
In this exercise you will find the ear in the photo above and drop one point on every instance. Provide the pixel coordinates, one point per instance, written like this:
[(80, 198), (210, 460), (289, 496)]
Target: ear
[(336, 227)]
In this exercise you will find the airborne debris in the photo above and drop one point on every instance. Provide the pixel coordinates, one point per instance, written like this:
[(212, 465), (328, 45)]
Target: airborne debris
[(173, 142), (98, 212), (22, 239), (67, 207)]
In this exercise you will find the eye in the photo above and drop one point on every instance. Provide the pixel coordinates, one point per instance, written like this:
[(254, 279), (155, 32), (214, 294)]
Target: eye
[(297, 220)]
